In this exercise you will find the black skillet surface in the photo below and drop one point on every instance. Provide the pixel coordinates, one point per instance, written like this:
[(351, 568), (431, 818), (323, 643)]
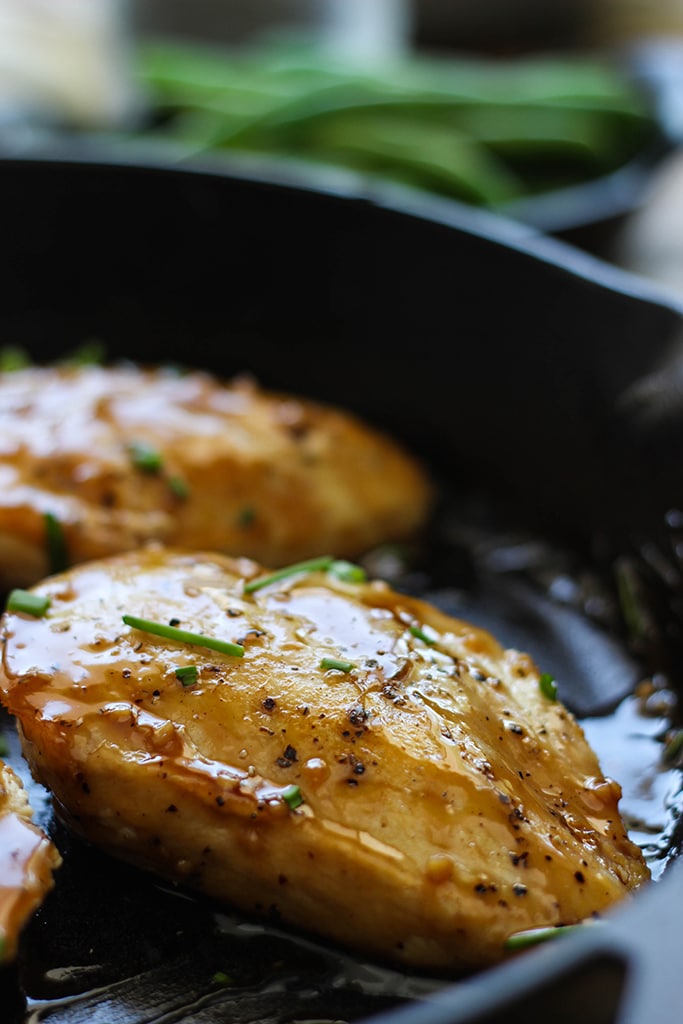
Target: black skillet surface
[(541, 388)]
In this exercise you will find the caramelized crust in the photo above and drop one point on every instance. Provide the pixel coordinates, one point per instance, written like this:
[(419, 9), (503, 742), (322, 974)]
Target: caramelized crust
[(369, 768), (27, 861), (119, 456)]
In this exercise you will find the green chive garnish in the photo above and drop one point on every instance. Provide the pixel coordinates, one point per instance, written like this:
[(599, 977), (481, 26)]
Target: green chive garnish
[(348, 572), (246, 516), (4, 746), (184, 636), (187, 674), (179, 487), (90, 353), (292, 797), (532, 936), (25, 601), (674, 747), (548, 686), (58, 559), (221, 978), (13, 357), (144, 457), (312, 565), (342, 666), (421, 635)]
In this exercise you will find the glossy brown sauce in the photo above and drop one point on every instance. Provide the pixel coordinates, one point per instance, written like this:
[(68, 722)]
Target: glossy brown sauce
[(25, 868)]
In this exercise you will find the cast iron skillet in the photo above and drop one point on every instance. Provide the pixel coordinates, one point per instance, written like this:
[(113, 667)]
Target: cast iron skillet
[(541, 388)]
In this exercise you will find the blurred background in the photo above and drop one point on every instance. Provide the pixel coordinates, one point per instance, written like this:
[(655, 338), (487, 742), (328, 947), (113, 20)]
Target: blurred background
[(566, 116)]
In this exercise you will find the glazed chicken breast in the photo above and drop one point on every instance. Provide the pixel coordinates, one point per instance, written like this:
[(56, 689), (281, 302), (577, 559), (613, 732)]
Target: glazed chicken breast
[(314, 746), (27, 862), (95, 460)]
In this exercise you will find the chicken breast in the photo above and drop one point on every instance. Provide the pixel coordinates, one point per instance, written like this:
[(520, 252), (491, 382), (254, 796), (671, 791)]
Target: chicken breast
[(27, 862), (95, 460), (315, 747)]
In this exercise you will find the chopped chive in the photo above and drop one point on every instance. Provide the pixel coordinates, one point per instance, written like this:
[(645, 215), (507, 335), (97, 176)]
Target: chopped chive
[(179, 487), (338, 663), (421, 635), (630, 596), (532, 936), (674, 747), (58, 559), (348, 572), (221, 978), (187, 674), (547, 686), (145, 457), (312, 565), (13, 357), (4, 746), (25, 601), (246, 516), (292, 797), (184, 635), (90, 353)]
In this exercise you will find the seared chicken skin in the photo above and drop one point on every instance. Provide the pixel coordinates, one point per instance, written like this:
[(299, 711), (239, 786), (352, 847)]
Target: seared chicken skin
[(27, 861), (351, 760), (97, 460)]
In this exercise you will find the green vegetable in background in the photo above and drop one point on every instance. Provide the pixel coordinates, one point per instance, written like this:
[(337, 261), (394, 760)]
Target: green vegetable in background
[(482, 130)]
